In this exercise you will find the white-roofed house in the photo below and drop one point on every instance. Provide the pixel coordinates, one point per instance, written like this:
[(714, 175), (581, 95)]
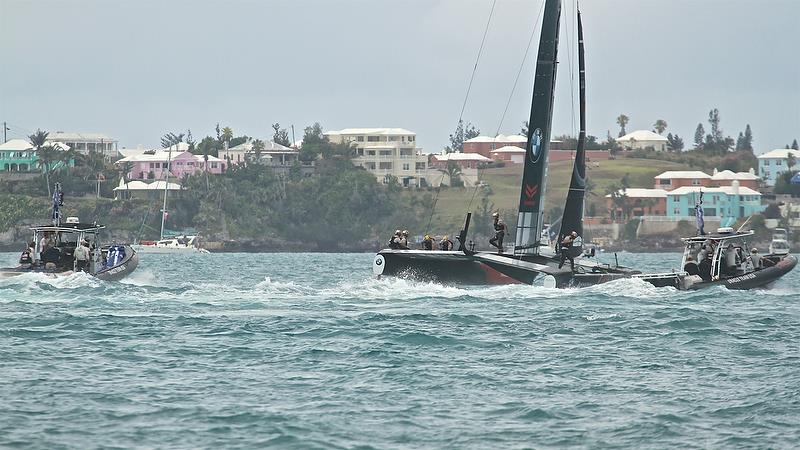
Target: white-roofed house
[(140, 189), (386, 152), (726, 203), (774, 163), (153, 164), (484, 145), (87, 142), (19, 155), (643, 140), (747, 179), (468, 163), (673, 179), (273, 154), (509, 153)]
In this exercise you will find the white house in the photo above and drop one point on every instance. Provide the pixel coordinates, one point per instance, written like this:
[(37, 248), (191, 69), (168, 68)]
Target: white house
[(86, 142), (386, 152), (643, 140), (510, 153), (772, 164), (274, 154)]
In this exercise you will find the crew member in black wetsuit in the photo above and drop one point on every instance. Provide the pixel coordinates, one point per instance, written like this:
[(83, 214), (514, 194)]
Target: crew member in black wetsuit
[(566, 248), (499, 232), (446, 244), (394, 241), (427, 243)]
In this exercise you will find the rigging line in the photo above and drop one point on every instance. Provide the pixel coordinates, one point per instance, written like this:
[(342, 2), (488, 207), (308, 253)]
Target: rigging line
[(477, 59), (571, 68), (519, 72), (435, 200)]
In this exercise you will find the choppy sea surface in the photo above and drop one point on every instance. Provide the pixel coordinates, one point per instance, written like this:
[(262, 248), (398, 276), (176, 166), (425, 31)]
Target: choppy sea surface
[(310, 351)]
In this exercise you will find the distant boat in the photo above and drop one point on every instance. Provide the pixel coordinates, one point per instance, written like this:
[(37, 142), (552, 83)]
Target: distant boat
[(170, 244), (106, 262), (532, 258), (780, 242)]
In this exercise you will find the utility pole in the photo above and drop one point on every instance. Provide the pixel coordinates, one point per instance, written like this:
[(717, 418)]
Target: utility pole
[(5, 128), (293, 141)]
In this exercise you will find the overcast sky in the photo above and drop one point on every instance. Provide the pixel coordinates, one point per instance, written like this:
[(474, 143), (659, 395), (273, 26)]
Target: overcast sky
[(135, 70)]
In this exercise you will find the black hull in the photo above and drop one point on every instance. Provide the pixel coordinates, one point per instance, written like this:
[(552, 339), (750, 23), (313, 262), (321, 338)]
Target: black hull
[(763, 278), (485, 268)]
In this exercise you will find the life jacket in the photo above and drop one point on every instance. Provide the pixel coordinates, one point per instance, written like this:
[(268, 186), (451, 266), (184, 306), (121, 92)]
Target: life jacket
[(446, 245), (500, 227)]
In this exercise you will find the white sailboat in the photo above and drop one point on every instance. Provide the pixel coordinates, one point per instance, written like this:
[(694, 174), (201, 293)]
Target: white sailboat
[(170, 244)]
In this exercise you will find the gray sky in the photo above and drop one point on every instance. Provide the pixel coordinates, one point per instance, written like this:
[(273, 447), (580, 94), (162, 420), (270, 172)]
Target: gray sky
[(137, 69)]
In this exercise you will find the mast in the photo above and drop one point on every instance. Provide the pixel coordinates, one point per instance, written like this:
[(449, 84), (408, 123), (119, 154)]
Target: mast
[(166, 184), (572, 220), (534, 175)]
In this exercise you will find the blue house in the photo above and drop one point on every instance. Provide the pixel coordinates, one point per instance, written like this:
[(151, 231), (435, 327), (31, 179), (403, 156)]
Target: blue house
[(772, 164), (726, 203)]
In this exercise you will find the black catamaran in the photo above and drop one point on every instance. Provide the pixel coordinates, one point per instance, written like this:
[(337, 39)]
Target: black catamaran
[(531, 258)]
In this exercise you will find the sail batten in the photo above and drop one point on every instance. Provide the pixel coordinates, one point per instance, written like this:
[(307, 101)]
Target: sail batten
[(534, 175)]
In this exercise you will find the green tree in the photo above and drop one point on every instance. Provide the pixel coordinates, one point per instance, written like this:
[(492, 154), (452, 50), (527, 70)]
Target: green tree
[(463, 132), (258, 150), (699, 136), (524, 130), (170, 139), (714, 121), (280, 135), (226, 135), (622, 121), (674, 143), (791, 161), (747, 142), (795, 146), (453, 172), (660, 126)]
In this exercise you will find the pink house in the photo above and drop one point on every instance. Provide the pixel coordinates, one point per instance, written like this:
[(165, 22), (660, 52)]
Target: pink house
[(153, 164)]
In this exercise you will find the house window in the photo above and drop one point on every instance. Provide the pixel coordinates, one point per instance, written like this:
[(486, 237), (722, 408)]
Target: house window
[(370, 152), (213, 165), (411, 139), (386, 153), (152, 165), (373, 138), (695, 182), (766, 162), (663, 182), (676, 211), (778, 162), (406, 166), (385, 166), (676, 198), (393, 138), (359, 138), (420, 166)]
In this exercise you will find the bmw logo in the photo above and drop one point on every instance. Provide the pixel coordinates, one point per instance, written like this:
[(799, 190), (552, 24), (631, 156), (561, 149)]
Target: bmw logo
[(378, 265), (535, 145)]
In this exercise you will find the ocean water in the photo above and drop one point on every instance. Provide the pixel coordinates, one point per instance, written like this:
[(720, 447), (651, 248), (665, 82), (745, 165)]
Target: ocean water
[(310, 351)]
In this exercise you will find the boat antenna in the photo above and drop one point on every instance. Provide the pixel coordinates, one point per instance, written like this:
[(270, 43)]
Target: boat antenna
[(743, 224)]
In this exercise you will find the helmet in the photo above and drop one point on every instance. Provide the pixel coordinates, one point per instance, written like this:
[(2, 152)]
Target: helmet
[(574, 233), (444, 238), (427, 236), (405, 232), (495, 214), (397, 232)]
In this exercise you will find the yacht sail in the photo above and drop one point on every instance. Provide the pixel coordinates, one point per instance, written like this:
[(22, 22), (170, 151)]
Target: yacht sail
[(531, 203), (572, 220)]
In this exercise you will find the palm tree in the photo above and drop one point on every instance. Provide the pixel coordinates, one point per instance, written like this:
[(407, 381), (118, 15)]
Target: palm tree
[(170, 139), (660, 126), (227, 135), (126, 168), (453, 172), (38, 141), (622, 120)]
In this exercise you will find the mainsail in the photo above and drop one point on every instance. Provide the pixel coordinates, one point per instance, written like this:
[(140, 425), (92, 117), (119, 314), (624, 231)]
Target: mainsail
[(534, 175), (572, 220)]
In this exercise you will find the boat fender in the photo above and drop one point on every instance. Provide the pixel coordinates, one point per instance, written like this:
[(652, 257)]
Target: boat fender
[(690, 280), (549, 282), (378, 265)]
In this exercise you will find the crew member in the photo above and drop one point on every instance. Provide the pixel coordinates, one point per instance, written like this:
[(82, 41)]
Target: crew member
[(755, 258), (427, 242), (26, 258), (394, 241), (499, 232), (566, 247), (446, 244), (82, 256), (404, 240)]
